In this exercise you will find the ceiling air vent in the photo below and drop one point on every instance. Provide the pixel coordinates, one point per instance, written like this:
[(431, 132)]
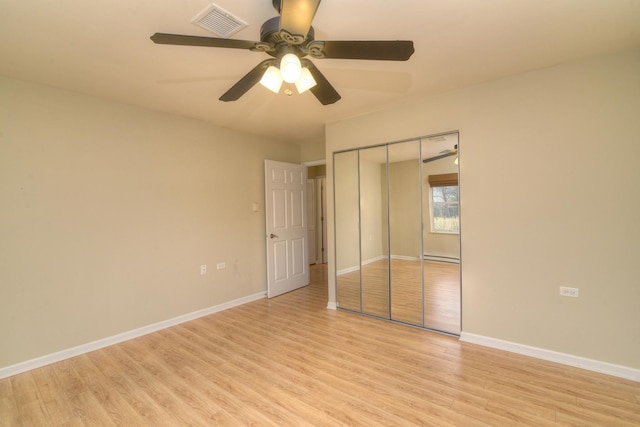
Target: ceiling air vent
[(219, 21)]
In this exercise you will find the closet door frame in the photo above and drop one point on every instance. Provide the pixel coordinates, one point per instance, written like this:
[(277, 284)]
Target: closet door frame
[(421, 140)]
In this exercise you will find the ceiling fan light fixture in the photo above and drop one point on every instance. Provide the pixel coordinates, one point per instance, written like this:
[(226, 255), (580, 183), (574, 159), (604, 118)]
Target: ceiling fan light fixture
[(290, 68), (287, 39), (306, 81), (271, 79)]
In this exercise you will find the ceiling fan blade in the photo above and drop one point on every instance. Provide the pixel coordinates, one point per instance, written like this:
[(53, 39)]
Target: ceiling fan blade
[(247, 82), (447, 153), (385, 50), (296, 17), (177, 39), (323, 90)]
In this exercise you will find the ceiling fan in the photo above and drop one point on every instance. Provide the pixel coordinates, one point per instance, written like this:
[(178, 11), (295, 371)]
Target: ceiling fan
[(444, 153), (289, 39)]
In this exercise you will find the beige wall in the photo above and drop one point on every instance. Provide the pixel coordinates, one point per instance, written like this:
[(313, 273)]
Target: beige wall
[(312, 151), (404, 207), (553, 141), (107, 212), (347, 228), (371, 212)]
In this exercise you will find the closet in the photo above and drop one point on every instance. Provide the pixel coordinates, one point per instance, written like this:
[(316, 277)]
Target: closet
[(397, 226)]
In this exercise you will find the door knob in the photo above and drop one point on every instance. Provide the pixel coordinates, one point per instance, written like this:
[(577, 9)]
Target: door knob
[(273, 236)]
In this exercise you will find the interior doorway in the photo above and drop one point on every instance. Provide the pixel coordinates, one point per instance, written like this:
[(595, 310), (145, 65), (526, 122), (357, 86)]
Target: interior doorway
[(317, 214)]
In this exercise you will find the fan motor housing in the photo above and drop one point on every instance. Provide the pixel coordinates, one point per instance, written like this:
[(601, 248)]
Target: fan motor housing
[(270, 33)]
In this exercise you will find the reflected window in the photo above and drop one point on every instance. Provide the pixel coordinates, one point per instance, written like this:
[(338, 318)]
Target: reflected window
[(445, 212), (445, 203)]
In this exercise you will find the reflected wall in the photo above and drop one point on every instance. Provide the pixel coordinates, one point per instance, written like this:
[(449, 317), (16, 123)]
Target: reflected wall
[(347, 226), (405, 231), (374, 231)]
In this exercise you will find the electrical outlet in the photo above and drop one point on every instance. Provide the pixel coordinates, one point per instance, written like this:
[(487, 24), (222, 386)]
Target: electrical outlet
[(221, 265), (203, 269), (568, 292)]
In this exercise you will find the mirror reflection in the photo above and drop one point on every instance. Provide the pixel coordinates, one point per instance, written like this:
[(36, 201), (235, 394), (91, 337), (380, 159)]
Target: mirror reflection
[(347, 226), (441, 233), (405, 229), (398, 232), (374, 232)]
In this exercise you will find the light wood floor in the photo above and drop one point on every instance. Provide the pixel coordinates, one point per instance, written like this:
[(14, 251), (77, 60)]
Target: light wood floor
[(290, 361), (441, 292)]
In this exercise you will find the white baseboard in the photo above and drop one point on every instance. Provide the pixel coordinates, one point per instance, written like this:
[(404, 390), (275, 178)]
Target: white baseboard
[(348, 270), (553, 356), (357, 267), (125, 336), (405, 258), (332, 305), (401, 257), (441, 258)]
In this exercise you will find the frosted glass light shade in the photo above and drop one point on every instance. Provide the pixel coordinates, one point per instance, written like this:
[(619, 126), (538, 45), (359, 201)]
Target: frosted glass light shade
[(306, 81), (271, 79), (290, 68)]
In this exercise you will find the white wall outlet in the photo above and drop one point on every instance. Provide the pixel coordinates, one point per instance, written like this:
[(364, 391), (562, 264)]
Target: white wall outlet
[(569, 292), (203, 269), (221, 265)]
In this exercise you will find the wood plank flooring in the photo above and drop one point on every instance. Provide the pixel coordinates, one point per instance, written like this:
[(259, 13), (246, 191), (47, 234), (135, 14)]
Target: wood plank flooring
[(441, 292), (290, 361)]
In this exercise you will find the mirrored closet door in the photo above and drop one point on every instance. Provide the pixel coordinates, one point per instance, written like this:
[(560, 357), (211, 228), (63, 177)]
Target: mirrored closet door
[(397, 232), (405, 231), (347, 229), (441, 233), (374, 260)]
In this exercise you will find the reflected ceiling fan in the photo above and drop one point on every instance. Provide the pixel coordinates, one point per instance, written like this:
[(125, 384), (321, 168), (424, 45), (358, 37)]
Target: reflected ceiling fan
[(444, 153), (289, 39)]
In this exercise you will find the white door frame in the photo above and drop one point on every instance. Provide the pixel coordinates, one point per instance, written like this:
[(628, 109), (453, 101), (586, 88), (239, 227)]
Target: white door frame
[(321, 215)]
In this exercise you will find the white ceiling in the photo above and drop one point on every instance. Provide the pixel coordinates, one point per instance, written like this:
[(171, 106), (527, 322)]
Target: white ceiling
[(102, 48)]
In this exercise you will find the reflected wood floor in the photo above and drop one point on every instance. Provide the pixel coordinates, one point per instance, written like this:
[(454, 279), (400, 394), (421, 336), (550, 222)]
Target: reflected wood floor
[(441, 292), (290, 361)]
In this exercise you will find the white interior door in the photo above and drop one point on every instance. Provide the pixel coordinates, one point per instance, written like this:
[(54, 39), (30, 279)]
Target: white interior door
[(286, 216)]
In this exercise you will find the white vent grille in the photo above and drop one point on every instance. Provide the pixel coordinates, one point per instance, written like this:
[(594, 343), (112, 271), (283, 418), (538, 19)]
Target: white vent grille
[(219, 21)]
